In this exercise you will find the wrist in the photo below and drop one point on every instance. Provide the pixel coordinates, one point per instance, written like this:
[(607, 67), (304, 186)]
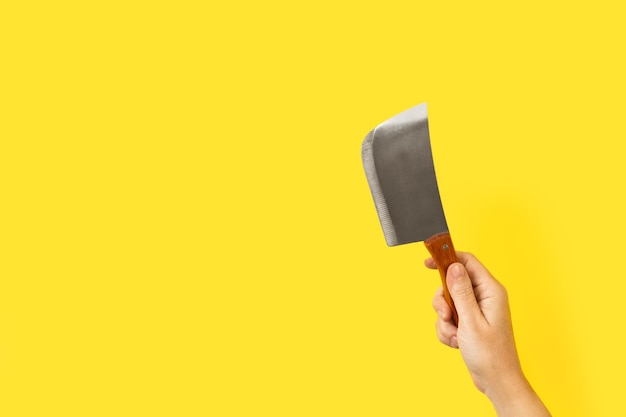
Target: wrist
[(505, 389), (513, 396)]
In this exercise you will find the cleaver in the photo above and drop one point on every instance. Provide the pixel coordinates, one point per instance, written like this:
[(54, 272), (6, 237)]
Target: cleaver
[(400, 171)]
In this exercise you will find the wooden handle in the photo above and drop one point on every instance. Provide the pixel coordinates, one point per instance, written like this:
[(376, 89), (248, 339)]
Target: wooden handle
[(441, 249)]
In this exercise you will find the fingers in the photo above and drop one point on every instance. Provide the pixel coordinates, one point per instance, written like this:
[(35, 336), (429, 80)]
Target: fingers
[(462, 292), (446, 329), (430, 263), (446, 333), (485, 285), (465, 258), (468, 282), (441, 306), (475, 269), (477, 272)]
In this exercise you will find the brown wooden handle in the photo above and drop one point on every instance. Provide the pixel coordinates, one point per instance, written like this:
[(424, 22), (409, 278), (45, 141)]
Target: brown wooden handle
[(442, 250)]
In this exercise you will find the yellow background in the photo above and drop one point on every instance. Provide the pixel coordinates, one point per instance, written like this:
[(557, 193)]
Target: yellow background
[(186, 229)]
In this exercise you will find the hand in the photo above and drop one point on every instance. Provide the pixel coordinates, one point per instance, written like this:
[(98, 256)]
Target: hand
[(485, 336)]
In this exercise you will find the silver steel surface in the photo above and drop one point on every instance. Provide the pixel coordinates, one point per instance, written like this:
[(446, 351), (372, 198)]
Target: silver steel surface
[(400, 171)]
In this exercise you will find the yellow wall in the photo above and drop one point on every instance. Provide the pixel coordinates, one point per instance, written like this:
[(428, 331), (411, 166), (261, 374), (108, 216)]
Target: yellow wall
[(186, 228)]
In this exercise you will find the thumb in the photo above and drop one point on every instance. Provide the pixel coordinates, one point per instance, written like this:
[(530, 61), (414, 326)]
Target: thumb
[(462, 292)]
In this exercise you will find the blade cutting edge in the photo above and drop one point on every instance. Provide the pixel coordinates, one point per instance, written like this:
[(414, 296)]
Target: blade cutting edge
[(367, 154)]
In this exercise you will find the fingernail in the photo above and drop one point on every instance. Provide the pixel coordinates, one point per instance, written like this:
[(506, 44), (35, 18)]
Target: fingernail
[(457, 271), (440, 314)]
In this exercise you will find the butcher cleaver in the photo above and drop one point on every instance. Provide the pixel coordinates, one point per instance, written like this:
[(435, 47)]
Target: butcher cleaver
[(400, 171)]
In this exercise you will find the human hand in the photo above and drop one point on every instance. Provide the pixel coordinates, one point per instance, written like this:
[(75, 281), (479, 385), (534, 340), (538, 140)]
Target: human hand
[(485, 336)]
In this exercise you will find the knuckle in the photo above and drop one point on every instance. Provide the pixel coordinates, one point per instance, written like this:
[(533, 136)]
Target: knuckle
[(471, 256), (438, 301), (502, 291), (464, 291)]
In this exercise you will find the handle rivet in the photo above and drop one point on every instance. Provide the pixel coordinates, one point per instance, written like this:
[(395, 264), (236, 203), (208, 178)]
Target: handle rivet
[(445, 246)]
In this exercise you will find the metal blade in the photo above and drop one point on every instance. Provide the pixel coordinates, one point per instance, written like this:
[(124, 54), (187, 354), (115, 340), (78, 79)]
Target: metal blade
[(399, 168)]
